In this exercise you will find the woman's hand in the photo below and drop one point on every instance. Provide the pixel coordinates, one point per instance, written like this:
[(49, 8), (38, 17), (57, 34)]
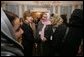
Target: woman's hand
[(44, 39)]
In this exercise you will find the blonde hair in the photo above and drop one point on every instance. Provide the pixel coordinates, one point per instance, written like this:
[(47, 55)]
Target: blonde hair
[(56, 19)]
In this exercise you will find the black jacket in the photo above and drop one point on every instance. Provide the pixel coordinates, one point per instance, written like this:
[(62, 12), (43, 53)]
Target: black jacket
[(10, 47), (58, 36), (28, 39), (75, 34)]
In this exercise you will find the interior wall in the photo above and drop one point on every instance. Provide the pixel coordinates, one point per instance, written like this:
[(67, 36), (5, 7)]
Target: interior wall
[(56, 7)]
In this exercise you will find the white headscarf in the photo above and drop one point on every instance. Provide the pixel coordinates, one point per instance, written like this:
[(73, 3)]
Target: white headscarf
[(7, 28)]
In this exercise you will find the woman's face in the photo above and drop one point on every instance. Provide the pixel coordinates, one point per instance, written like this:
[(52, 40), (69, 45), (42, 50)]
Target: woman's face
[(29, 19), (60, 22), (17, 28), (44, 17)]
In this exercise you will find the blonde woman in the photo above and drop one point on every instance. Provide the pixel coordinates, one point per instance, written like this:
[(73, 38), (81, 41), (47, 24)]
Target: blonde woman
[(58, 33)]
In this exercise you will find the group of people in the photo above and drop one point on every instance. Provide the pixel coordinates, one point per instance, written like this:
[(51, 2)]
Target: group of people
[(44, 37)]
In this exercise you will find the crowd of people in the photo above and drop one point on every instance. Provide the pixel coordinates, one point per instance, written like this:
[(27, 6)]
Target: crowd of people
[(42, 37)]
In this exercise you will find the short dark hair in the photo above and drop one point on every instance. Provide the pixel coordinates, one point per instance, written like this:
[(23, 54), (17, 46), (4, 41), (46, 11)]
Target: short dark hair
[(64, 17), (52, 15)]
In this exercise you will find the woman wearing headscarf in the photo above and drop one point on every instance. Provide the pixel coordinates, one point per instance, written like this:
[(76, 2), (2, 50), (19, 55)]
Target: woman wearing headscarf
[(42, 37), (10, 32)]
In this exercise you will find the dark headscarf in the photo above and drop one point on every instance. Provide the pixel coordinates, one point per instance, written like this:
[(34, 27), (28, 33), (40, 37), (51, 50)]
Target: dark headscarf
[(76, 18)]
